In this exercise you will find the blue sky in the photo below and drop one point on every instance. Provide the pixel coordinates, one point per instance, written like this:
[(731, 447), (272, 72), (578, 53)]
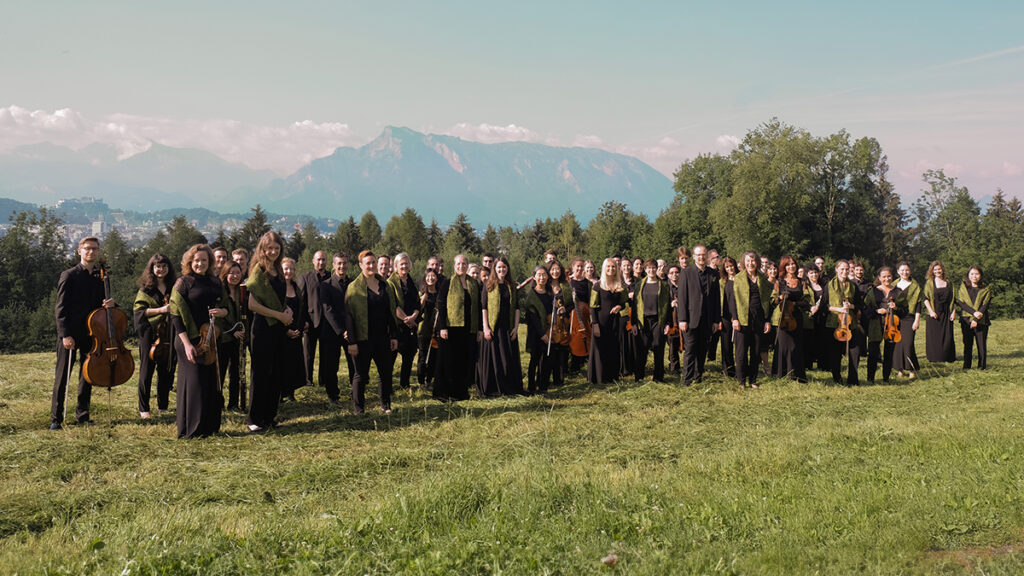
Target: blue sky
[(273, 85)]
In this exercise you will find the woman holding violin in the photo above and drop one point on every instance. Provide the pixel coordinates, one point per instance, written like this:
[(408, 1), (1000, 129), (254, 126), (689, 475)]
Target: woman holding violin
[(791, 302), (843, 321), (973, 298), (909, 302), (560, 346), (232, 331), (271, 319), (579, 341), (153, 327), (883, 323), (501, 373), (541, 305), (195, 303), (938, 326)]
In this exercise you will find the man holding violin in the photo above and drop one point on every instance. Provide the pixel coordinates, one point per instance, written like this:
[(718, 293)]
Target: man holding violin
[(79, 292)]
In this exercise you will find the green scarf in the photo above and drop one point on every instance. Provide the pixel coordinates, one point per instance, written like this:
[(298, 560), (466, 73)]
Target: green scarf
[(225, 323), (143, 301), (456, 318), (664, 302), (741, 289), (984, 297), (179, 308), (357, 301), (531, 304), (836, 296), (395, 284), (259, 287), (929, 296), (494, 303)]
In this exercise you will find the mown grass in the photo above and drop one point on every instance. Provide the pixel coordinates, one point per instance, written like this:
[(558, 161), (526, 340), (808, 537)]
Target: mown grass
[(708, 479)]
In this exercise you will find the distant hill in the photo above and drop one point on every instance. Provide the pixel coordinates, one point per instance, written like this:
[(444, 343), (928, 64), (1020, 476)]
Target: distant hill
[(440, 176), (160, 177)]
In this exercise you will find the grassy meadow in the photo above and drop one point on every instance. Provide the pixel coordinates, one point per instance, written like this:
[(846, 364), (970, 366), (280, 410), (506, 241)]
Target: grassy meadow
[(918, 478)]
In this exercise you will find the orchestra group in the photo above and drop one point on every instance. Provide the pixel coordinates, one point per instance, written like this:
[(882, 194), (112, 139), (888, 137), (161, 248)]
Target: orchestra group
[(251, 324)]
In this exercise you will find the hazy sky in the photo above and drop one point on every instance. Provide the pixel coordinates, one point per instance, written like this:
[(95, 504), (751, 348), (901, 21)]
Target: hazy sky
[(275, 84)]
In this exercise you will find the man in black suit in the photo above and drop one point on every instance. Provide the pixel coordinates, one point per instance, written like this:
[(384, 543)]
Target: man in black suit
[(333, 327), (79, 292), (310, 285), (699, 312)]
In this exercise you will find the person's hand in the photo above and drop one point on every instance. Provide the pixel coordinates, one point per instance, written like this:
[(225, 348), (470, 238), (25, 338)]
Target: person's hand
[(68, 342), (596, 331), (544, 338), (736, 325), (285, 317), (165, 309), (952, 316), (479, 336), (487, 334), (293, 334), (933, 315), (353, 349), (109, 303), (978, 314), (915, 324), (218, 312), (615, 309), (190, 352), (634, 331), (240, 334), (767, 327), (684, 326), (974, 324), (394, 344), (410, 321), (881, 311), (667, 328), (443, 333), (716, 327)]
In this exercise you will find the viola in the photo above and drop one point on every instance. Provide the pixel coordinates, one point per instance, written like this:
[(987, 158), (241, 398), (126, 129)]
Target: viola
[(788, 321), (109, 363), (561, 326), (206, 351), (843, 333), (160, 351)]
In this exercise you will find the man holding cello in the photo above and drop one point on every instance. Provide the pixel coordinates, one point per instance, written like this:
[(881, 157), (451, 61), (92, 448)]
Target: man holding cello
[(79, 292)]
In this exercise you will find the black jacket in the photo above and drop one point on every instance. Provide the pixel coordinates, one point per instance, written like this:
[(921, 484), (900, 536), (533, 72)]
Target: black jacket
[(697, 306), (332, 304), (309, 283), (78, 294)]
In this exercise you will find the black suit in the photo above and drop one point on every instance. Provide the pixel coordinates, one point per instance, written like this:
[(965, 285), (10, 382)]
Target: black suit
[(309, 284), (79, 292), (333, 324), (699, 306)]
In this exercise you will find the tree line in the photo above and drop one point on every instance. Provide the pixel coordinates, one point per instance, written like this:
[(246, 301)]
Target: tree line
[(781, 191)]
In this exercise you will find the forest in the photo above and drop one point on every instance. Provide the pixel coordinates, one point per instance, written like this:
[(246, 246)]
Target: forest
[(781, 191)]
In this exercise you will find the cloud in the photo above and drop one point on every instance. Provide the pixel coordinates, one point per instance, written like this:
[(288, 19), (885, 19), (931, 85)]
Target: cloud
[(726, 143), (282, 149), (588, 141), (1011, 169), (491, 134)]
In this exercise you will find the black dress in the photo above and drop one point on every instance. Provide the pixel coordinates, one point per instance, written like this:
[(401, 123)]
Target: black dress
[(426, 361), (816, 339), (542, 364), (456, 355), (501, 373), (938, 332), (268, 375), (292, 354), (605, 350), (198, 396), (627, 341), (789, 351), (728, 351)]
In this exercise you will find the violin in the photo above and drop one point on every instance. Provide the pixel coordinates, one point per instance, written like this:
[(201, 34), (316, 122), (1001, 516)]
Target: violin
[(891, 325), (109, 363), (788, 321), (843, 333), (673, 331), (206, 350), (160, 351), (561, 325)]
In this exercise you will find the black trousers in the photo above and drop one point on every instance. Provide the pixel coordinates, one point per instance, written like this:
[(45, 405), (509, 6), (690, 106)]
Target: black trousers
[(713, 345), (695, 340), (673, 353), (747, 345), (852, 360), (228, 357), (973, 336), (378, 351), (880, 352), (425, 371), (164, 371), (652, 339), (332, 346), (728, 352), (538, 375), (309, 344), (407, 346), (66, 360)]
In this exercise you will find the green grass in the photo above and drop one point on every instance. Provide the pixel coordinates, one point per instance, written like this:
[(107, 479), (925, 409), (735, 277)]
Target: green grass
[(916, 478)]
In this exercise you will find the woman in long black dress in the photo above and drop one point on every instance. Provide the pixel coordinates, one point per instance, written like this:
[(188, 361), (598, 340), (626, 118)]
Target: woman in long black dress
[(973, 298), (458, 322), (606, 303), (232, 331), (501, 373), (909, 302), (426, 364), (292, 356), (790, 301), (151, 309), (728, 279), (627, 340), (195, 301), (938, 325), (372, 333), (816, 334), (559, 352), (271, 318)]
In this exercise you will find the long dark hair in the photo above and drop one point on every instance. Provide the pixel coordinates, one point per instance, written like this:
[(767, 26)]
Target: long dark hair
[(147, 281)]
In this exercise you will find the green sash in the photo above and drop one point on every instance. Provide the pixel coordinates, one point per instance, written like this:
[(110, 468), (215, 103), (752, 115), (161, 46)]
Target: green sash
[(356, 299), (984, 297), (494, 303), (259, 287), (929, 296), (179, 308), (741, 289), (143, 301), (456, 317)]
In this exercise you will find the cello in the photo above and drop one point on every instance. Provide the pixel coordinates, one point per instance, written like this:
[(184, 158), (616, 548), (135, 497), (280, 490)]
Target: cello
[(109, 363)]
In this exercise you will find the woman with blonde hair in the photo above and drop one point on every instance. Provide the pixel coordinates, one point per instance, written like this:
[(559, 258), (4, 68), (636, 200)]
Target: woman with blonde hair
[(606, 302), (271, 317)]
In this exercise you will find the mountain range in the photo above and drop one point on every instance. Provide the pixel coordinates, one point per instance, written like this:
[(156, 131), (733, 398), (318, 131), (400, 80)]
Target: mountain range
[(439, 176)]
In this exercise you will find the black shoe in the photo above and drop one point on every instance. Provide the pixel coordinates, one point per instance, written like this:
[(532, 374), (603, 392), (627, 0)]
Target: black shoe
[(56, 426), (334, 401), (85, 421)]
